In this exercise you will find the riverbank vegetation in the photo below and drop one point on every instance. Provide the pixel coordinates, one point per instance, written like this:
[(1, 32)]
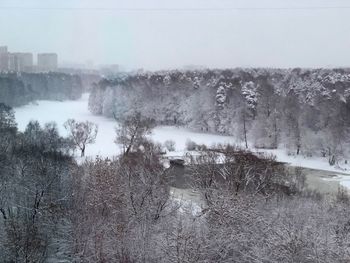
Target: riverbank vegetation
[(252, 209), (306, 111)]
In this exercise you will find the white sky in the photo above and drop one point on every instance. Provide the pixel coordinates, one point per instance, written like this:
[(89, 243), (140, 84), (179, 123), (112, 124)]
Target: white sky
[(157, 34)]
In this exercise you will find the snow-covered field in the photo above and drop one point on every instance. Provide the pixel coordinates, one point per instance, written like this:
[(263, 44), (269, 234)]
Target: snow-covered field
[(46, 111), (60, 112)]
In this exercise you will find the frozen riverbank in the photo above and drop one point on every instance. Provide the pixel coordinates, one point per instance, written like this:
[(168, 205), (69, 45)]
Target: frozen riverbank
[(59, 112)]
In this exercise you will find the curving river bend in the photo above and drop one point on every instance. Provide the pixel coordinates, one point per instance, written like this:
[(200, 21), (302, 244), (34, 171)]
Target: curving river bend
[(319, 176)]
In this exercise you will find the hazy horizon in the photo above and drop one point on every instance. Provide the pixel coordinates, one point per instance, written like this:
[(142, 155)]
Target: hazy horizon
[(164, 34)]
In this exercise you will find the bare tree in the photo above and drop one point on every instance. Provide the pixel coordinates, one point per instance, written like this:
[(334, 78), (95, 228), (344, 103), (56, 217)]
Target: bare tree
[(8, 127), (132, 132), (244, 120), (33, 195), (81, 133), (170, 145), (124, 203), (238, 171)]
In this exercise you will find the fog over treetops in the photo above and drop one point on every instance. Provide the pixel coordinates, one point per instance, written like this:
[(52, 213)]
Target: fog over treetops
[(171, 34)]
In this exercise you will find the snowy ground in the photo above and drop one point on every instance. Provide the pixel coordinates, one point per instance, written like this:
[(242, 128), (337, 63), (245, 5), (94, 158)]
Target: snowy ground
[(311, 163), (46, 111)]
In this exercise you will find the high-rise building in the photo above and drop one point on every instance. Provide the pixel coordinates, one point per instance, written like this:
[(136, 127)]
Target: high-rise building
[(20, 62), (4, 59), (23, 62), (12, 62), (27, 62), (47, 62)]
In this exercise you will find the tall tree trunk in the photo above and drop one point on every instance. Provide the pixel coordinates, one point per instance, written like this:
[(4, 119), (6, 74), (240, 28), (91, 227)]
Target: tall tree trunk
[(276, 133), (245, 131), (83, 151)]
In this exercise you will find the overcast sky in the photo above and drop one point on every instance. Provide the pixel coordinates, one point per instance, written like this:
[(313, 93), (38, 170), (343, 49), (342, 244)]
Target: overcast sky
[(167, 34)]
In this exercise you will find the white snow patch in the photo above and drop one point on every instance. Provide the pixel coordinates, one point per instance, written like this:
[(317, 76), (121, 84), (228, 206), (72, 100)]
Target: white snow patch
[(316, 163), (47, 111), (181, 135), (188, 200)]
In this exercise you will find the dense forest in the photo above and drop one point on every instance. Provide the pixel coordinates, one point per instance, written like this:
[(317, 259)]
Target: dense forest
[(251, 209), (306, 111), (19, 89)]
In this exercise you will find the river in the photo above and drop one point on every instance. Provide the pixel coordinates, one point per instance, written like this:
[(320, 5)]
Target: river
[(319, 175)]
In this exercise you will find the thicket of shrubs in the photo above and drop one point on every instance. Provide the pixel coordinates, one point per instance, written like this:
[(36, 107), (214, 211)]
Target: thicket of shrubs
[(240, 207)]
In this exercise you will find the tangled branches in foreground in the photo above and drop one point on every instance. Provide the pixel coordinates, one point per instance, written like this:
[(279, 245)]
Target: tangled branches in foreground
[(239, 207)]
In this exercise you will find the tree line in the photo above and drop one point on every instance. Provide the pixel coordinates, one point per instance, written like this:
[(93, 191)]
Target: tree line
[(19, 89), (306, 111)]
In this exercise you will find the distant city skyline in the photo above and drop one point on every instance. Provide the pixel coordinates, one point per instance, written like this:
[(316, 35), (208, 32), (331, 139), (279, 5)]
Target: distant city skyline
[(24, 61), (18, 61), (165, 34)]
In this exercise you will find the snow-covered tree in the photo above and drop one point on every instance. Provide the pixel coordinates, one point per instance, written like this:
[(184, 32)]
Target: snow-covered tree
[(81, 133), (132, 132)]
